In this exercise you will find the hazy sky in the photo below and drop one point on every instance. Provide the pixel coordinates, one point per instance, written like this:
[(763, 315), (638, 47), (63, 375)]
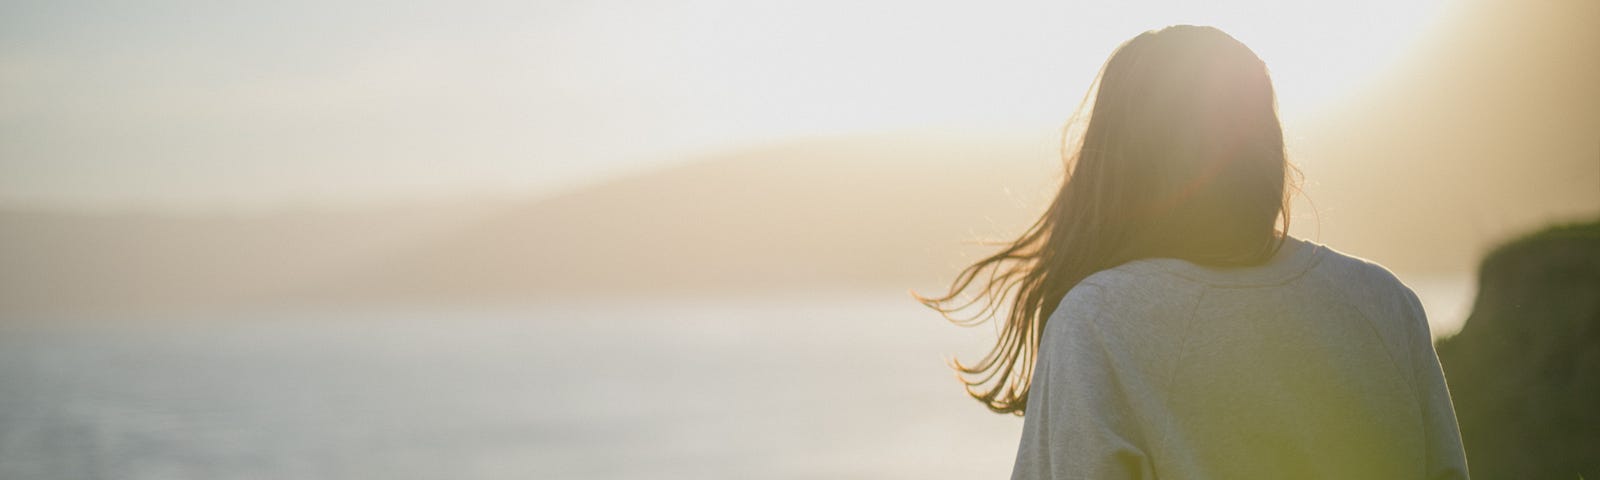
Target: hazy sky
[(202, 104)]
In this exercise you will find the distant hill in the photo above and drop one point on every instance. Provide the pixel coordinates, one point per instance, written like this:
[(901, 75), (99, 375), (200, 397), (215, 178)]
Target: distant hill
[(887, 210), (131, 262), (840, 213)]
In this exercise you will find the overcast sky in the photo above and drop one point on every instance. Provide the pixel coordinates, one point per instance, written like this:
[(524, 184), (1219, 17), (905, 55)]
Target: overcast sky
[(203, 104)]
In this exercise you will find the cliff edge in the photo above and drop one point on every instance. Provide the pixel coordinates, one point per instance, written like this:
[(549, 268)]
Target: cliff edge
[(1524, 372)]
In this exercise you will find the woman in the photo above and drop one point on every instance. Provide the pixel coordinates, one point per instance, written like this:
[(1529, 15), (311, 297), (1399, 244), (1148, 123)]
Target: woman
[(1158, 321)]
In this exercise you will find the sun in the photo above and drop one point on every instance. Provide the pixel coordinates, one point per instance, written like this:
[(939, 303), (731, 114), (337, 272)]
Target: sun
[(1323, 53)]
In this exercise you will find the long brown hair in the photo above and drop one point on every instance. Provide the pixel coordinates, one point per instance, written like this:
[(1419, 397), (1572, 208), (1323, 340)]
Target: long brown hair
[(1175, 152)]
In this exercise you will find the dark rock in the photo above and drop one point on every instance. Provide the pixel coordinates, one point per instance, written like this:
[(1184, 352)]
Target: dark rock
[(1524, 372)]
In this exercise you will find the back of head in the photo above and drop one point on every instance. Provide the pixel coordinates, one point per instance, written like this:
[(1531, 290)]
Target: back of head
[(1183, 150), (1177, 152)]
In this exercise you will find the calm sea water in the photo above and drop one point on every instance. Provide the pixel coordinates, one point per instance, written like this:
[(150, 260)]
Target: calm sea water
[(830, 387), (774, 388)]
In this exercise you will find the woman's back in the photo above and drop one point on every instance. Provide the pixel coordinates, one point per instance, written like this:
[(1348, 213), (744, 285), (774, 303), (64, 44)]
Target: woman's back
[(1278, 359), (1314, 365)]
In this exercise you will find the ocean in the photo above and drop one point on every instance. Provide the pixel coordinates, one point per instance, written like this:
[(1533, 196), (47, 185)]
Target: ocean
[(741, 388), (803, 386)]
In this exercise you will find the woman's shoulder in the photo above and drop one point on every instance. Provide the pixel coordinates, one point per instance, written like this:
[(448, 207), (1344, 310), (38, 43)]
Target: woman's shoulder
[(1131, 282), (1297, 259), (1128, 297), (1156, 288), (1364, 277)]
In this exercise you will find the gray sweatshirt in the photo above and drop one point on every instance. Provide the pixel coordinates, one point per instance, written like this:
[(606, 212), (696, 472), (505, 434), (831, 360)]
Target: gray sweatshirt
[(1317, 364)]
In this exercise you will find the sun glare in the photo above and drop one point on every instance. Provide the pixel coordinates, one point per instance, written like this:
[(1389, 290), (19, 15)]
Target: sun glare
[(825, 67), (1321, 53), (1318, 52)]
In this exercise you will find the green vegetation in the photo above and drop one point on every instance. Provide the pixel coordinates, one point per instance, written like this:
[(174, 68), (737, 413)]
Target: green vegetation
[(1525, 370)]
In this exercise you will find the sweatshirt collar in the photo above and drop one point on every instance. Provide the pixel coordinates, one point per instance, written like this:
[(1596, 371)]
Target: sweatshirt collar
[(1293, 259)]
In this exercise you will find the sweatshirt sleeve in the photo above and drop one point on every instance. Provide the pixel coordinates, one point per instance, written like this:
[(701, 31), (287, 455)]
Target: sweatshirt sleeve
[(1446, 459), (1077, 423)]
